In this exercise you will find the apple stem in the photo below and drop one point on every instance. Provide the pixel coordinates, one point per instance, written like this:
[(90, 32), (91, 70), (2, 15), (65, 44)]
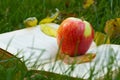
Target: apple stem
[(82, 18)]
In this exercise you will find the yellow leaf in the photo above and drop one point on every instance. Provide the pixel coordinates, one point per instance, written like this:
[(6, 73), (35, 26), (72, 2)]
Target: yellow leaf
[(30, 22), (87, 3), (101, 38), (112, 27), (49, 30), (49, 19)]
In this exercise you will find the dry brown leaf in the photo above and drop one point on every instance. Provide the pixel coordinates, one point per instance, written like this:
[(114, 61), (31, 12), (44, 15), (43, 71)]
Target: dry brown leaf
[(78, 59), (5, 55)]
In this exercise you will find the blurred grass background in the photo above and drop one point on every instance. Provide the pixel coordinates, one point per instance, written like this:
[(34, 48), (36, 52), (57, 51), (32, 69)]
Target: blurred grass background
[(13, 13)]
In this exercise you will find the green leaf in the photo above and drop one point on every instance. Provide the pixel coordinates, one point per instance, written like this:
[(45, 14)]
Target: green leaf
[(13, 67), (44, 75)]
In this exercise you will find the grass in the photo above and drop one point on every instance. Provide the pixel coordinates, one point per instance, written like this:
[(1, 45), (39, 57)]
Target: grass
[(13, 13)]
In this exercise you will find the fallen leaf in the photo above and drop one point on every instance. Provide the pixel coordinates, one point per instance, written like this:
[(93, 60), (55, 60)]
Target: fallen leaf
[(30, 22), (45, 75), (112, 29), (101, 38), (87, 3), (78, 59), (11, 62), (49, 19), (49, 29)]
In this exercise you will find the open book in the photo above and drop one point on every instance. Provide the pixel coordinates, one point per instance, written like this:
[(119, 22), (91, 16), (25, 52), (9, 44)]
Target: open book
[(36, 47)]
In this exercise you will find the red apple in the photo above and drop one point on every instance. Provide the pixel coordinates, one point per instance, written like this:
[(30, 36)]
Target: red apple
[(74, 36)]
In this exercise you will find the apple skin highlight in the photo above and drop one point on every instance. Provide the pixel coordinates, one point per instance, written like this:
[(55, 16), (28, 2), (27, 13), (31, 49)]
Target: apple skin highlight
[(74, 36)]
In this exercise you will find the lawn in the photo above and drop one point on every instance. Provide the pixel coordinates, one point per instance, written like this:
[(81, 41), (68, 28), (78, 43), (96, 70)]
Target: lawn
[(14, 12)]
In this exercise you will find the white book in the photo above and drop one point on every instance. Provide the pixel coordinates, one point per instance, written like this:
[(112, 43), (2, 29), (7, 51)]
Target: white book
[(30, 41)]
